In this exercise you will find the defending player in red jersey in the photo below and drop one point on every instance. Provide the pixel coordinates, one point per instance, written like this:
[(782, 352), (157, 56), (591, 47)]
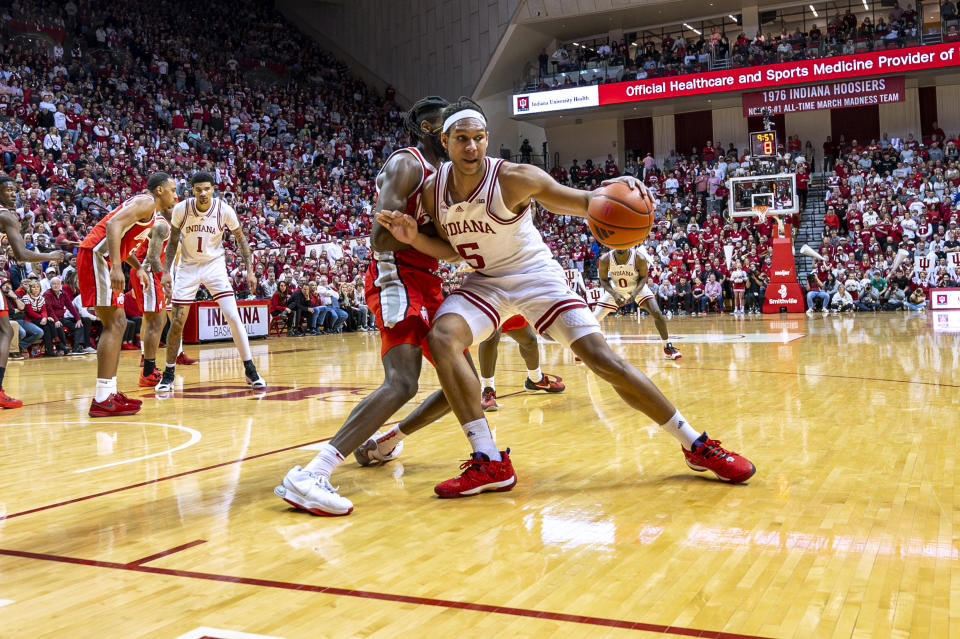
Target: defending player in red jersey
[(481, 212), (151, 297), (404, 292), (112, 241), (10, 226)]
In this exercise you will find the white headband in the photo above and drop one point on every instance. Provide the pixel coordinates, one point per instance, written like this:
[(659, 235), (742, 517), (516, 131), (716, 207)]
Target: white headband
[(463, 115)]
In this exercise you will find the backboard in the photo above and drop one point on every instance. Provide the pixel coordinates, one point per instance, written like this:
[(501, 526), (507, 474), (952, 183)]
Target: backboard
[(772, 194)]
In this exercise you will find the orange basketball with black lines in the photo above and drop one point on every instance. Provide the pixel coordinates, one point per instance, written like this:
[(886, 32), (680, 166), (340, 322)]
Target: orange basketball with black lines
[(620, 217)]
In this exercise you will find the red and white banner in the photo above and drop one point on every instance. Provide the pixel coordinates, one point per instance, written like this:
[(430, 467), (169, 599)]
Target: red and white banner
[(748, 78), (834, 95)]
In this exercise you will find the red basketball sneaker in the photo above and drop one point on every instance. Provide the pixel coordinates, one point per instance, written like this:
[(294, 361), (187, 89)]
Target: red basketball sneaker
[(547, 384), (150, 380), (184, 360), (129, 401), (488, 400), (707, 454), (479, 475), (670, 352), (112, 406), (8, 402)]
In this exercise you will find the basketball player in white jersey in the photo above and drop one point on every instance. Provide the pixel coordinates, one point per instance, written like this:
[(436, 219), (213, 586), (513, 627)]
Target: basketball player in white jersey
[(10, 226), (197, 227), (623, 275), (481, 210)]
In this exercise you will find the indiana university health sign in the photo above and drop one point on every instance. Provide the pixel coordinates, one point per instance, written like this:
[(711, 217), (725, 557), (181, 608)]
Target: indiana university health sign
[(749, 78)]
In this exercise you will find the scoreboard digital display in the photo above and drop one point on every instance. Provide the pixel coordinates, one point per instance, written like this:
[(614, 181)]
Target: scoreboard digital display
[(763, 144)]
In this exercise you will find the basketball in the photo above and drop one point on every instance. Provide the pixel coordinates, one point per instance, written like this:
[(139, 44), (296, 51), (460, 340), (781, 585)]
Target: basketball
[(620, 217)]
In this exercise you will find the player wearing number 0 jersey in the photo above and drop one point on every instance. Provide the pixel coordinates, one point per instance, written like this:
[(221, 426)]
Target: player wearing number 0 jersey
[(623, 276), (198, 225), (481, 209), (112, 241)]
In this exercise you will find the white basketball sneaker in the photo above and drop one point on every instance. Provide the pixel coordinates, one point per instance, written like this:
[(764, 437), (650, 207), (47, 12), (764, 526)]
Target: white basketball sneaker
[(257, 382), (369, 451), (313, 493)]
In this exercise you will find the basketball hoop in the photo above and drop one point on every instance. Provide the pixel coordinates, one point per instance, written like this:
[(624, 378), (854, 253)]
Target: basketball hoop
[(763, 212)]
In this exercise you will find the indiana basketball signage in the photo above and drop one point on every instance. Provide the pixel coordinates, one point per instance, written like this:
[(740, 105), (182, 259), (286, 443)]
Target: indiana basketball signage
[(211, 323), (945, 299), (774, 75), (834, 95)]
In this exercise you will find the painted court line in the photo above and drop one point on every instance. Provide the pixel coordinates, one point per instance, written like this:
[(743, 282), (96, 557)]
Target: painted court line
[(407, 599), (203, 632), (160, 479), (5, 602), (165, 553), (183, 474)]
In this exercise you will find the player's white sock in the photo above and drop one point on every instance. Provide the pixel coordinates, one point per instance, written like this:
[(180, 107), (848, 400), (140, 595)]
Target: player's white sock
[(325, 461), (478, 432), (534, 375), (487, 382), (680, 428), (105, 388), (229, 307), (389, 440)]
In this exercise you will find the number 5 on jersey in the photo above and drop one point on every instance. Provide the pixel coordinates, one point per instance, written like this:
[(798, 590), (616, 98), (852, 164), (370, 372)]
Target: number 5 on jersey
[(473, 259)]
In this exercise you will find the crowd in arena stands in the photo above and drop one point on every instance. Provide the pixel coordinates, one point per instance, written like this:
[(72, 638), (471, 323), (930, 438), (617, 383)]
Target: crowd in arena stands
[(295, 142), (669, 56)]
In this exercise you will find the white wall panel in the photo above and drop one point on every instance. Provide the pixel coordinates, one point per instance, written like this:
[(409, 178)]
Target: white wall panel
[(664, 136)]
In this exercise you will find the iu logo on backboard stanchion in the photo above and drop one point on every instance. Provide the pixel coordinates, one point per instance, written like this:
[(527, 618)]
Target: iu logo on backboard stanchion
[(523, 103), (941, 299)]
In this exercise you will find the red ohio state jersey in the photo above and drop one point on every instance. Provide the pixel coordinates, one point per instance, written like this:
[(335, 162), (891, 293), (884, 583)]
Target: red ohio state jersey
[(412, 257), (137, 234)]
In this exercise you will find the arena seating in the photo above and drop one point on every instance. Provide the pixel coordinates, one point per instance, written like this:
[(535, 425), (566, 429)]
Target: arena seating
[(295, 143)]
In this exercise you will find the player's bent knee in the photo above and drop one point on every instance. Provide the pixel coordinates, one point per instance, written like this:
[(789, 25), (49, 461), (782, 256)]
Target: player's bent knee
[(402, 386)]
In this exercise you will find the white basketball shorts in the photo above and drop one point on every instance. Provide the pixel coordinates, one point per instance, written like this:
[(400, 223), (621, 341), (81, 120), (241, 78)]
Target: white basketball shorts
[(189, 277), (608, 302), (544, 299)]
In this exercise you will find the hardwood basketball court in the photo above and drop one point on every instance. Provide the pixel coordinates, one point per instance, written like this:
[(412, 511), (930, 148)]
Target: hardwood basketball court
[(165, 525)]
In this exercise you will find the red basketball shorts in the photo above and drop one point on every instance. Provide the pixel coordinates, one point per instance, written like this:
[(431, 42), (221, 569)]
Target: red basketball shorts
[(93, 279), (515, 323), (151, 298), (403, 301)]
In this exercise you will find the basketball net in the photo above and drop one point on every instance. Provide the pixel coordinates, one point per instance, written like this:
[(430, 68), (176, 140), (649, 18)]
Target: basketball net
[(763, 212)]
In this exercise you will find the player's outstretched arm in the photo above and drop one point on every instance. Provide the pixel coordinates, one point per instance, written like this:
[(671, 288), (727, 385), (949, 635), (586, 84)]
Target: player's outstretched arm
[(11, 226), (520, 183), (400, 176)]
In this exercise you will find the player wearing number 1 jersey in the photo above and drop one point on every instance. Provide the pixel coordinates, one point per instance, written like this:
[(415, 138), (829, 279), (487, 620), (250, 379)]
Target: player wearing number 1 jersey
[(481, 211), (623, 275), (197, 228), (112, 241)]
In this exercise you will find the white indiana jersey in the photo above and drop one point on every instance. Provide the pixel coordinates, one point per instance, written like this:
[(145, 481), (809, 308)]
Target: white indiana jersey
[(201, 233), (490, 237), (625, 277)]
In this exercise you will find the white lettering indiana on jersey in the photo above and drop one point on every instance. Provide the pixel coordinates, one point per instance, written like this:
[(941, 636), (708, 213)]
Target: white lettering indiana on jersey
[(201, 232), (479, 228), (623, 277)]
